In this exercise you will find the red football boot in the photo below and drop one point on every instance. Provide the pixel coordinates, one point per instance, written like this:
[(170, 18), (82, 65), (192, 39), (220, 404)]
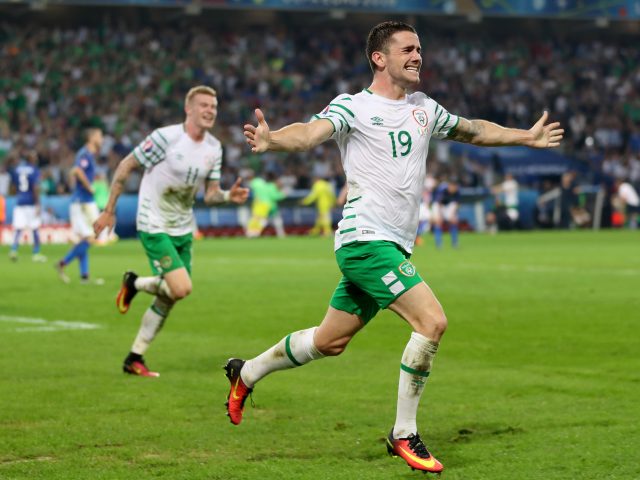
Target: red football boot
[(239, 391), (414, 452), (138, 367), (127, 291)]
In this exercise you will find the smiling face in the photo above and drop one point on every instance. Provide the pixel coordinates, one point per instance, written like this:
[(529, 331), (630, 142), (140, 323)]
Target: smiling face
[(402, 59), (202, 110)]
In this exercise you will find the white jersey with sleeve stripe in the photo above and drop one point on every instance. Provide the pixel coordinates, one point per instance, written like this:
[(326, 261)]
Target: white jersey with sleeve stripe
[(175, 166), (384, 145)]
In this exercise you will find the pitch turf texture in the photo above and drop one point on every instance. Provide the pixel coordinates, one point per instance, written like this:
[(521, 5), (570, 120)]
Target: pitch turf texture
[(537, 376)]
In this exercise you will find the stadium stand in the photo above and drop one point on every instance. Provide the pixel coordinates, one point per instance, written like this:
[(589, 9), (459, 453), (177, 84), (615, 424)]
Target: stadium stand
[(130, 76)]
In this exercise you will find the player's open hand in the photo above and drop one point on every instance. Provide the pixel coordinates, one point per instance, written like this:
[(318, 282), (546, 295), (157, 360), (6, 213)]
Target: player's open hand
[(105, 220), (237, 193), (258, 137), (545, 136)]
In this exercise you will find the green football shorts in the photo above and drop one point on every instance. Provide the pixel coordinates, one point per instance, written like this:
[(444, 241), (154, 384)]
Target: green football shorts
[(167, 253), (374, 274)]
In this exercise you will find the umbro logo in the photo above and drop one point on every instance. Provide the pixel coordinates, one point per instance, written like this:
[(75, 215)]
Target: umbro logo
[(376, 121)]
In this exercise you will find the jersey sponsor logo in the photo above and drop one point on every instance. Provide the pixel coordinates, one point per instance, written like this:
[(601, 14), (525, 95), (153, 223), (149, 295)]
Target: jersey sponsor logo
[(148, 145), (407, 269), (377, 121), (420, 116), (368, 232), (84, 163)]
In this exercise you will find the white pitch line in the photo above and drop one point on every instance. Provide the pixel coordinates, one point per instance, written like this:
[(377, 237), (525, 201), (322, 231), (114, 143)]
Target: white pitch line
[(43, 325)]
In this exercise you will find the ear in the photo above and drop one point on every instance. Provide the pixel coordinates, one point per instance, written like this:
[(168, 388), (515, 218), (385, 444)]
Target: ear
[(379, 59)]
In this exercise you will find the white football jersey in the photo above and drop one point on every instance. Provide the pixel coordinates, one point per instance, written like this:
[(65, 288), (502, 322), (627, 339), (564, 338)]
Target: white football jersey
[(384, 145), (175, 166)]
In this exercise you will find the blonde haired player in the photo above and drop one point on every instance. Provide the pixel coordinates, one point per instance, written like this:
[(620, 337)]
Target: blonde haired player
[(176, 159), (383, 133)]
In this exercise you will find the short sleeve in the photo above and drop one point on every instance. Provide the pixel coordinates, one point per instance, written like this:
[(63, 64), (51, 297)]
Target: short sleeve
[(340, 113), (152, 150), (445, 122), (214, 173), (82, 160)]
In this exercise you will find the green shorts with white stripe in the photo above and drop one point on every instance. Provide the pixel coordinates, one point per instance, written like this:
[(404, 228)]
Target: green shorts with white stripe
[(374, 273)]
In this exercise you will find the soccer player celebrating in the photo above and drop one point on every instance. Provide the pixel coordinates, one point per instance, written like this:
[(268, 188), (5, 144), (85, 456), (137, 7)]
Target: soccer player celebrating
[(383, 134), (26, 215), (176, 159), (83, 210)]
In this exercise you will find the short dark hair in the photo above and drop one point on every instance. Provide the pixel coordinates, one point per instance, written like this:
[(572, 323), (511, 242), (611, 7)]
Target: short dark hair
[(378, 39), (89, 131)]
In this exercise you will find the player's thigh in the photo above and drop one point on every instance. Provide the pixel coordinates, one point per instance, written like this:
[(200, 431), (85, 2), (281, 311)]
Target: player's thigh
[(420, 308), (336, 330), (184, 247), (20, 218), (436, 213), (82, 217), (179, 282), (260, 209), (162, 253), (352, 300), (380, 269), (451, 213)]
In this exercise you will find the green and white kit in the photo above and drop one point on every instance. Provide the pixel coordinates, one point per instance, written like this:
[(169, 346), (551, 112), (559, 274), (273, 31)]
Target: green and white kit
[(384, 145), (175, 167)]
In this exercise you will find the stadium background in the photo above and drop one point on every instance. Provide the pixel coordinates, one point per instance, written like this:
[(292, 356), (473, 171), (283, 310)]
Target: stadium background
[(67, 65)]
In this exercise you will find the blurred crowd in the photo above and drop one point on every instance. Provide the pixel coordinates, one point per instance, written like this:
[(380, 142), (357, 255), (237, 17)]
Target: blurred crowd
[(54, 82)]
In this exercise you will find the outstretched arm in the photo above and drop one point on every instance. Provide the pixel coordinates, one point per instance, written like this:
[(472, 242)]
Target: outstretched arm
[(107, 218), (215, 195), (487, 134), (297, 137)]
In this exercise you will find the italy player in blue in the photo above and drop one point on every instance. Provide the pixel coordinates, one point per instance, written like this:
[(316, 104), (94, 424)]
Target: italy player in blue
[(446, 199), (26, 214), (83, 210)]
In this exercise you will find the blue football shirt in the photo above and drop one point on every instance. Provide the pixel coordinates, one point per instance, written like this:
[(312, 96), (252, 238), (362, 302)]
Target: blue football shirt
[(25, 177), (85, 160)]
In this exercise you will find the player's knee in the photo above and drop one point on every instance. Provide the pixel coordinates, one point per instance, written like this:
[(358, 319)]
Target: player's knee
[(440, 324), (181, 291), (433, 325)]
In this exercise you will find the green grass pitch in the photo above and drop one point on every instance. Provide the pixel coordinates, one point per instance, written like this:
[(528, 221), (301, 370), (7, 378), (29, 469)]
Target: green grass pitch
[(537, 376)]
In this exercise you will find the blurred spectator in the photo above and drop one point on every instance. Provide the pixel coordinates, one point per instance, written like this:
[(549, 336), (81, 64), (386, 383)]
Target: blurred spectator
[(323, 195), (627, 202), (507, 193)]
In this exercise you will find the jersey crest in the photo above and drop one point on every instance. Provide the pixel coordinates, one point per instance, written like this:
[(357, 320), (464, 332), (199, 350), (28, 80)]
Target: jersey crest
[(420, 116)]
